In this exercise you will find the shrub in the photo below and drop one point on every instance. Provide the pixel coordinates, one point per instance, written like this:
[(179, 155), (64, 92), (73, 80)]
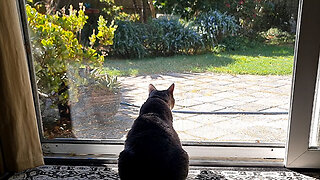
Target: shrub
[(56, 48), (213, 26), (129, 40), (159, 37), (233, 43), (246, 12), (104, 36), (277, 36), (168, 37), (260, 15), (275, 15), (186, 9)]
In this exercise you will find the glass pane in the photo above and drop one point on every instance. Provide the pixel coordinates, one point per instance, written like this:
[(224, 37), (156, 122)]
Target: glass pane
[(95, 60), (315, 123)]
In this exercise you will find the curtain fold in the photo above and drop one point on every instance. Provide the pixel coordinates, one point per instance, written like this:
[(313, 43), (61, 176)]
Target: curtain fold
[(20, 143), (1, 163)]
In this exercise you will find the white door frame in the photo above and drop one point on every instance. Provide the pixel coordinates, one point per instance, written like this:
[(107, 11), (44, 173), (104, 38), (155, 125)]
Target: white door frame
[(298, 153)]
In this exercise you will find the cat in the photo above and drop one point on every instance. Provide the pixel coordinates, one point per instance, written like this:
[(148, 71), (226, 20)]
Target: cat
[(153, 150)]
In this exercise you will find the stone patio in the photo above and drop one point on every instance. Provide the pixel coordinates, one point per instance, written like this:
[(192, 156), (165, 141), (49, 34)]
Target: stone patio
[(211, 93), (209, 107)]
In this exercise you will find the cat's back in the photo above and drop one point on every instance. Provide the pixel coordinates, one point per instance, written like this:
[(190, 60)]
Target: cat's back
[(150, 131), (154, 146), (153, 149)]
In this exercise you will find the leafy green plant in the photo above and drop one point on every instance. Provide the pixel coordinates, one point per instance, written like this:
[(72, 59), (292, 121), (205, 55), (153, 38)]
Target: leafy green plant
[(168, 37), (235, 43), (110, 8), (57, 51), (276, 14), (105, 34), (159, 37), (97, 78), (187, 9), (129, 40), (260, 15), (213, 26), (246, 12), (111, 11), (277, 36)]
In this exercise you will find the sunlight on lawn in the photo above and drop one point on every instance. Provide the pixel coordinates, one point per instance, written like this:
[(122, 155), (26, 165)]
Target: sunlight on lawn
[(257, 65), (261, 60)]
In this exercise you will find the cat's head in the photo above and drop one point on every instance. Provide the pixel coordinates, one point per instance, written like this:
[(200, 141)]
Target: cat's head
[(166, 95)]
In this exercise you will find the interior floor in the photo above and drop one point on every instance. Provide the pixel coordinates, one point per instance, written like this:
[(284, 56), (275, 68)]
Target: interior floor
[(109, 171)]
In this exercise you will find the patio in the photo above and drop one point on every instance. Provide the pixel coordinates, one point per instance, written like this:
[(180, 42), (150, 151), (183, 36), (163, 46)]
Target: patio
[(209, 107)]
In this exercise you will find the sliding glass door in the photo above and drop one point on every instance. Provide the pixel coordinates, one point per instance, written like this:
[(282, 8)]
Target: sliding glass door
[(220, 118)]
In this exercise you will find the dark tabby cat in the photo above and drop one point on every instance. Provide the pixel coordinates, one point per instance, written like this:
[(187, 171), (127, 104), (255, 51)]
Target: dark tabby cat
[(153, 149)]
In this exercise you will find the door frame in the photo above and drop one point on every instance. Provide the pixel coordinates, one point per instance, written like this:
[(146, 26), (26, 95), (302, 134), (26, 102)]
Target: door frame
[(298, 152)]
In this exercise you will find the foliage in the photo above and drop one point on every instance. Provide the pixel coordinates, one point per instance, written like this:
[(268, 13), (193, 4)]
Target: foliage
[(159, 37), (97, 78), (275, 15), (259, 15), (111, 12), (56, 49), (235, 43), (127, 17), (187, 9), (245, 11), (277, 36), (252, 15), (129, 40), (213, 26), (105, 34), (168, 37), (110, 8)]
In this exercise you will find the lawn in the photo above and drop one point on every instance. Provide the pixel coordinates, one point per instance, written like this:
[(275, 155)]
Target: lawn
[(260, 60)]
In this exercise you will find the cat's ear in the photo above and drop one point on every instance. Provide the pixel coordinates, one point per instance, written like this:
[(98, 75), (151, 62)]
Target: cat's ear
[(171, 88), (151, 88)]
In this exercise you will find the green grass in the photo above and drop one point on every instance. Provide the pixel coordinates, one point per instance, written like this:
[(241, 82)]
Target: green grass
[(261, 60)]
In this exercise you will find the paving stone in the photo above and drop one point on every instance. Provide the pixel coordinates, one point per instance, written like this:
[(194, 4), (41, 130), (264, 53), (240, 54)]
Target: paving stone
[(209, 119), (248, 129), (188, 137), (181, 116), (183, 125), (205, 107), (187, 102), (223, 95), (219, 92), (275, 109), (213, 131), (244, 98), (230, 102), (206, 99)]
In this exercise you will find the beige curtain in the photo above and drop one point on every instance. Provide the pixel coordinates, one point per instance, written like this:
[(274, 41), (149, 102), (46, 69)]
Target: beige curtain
[(19, 141)]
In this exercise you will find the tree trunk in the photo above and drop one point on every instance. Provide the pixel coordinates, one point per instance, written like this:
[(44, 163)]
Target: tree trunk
[(152, 10), (144, 11), (135, 7)]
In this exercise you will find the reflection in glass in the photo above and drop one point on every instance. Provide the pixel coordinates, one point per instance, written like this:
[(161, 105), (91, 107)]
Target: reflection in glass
[(315, 123), (95, 60)]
